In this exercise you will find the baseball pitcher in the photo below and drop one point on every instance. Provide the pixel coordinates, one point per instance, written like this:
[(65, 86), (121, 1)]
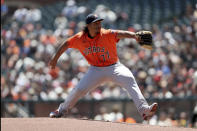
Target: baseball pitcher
[(98, 46)]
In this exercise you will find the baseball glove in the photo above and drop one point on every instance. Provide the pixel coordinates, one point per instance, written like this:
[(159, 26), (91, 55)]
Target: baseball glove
[(144, 38)]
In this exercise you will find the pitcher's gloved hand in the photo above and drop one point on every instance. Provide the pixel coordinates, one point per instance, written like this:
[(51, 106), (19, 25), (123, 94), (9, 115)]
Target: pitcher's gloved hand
[(144, 38)]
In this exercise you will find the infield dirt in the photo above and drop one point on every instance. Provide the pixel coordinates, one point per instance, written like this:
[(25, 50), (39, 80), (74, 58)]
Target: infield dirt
[(70, 124)]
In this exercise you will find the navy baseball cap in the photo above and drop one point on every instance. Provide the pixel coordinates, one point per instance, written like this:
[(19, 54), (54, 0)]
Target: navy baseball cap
[(92, 18)]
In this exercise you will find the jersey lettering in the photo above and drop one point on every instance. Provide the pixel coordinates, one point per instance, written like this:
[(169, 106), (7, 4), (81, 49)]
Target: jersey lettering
[(94, 49)]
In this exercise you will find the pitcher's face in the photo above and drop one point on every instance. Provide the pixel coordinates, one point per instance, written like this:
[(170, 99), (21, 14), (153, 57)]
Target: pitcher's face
[(95, 27)]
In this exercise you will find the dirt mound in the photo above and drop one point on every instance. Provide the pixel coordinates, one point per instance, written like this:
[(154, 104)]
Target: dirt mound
[(68, 124)]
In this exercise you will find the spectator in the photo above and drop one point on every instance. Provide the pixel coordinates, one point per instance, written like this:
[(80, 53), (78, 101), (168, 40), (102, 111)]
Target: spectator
[(164, 120), (183, 119), (20, 13), (33, 15), (70, 10), (103, 115), (61, 22), (115, 115)]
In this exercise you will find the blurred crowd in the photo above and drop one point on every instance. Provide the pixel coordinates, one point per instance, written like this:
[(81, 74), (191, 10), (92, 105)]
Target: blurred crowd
[(169, 70), (165, 118)]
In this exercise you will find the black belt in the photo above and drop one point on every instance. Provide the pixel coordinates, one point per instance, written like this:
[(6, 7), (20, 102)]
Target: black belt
[(112, 64), (108, 65)]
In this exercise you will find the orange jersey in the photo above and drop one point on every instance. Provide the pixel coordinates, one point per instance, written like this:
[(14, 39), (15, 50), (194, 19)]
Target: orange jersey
[(99, 51)]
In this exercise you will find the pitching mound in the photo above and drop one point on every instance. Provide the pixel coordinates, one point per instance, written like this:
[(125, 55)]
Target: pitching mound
[(67, 124)]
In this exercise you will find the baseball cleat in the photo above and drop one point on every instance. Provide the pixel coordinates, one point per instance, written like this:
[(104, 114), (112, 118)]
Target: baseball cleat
[(150, 112), (55, 114)]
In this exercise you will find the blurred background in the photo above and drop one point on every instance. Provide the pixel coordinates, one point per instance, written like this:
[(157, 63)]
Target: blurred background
[(30, 30)]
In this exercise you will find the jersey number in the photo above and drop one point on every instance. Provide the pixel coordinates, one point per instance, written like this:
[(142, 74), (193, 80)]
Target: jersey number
[(105, 55)]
